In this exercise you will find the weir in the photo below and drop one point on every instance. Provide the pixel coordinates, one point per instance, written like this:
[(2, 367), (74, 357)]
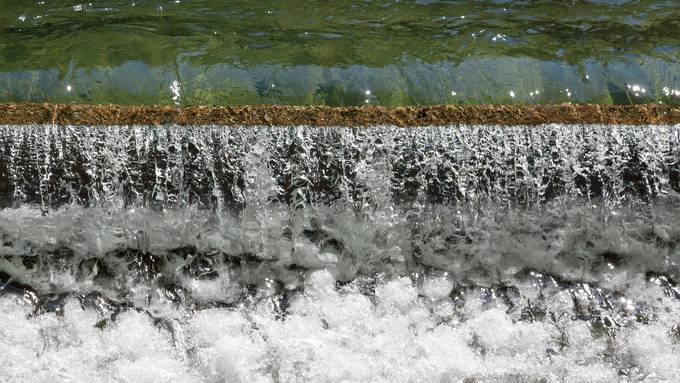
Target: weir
[(339, 192), (235, 247)]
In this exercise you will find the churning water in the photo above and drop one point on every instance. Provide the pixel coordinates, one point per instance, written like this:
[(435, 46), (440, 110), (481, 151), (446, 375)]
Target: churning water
[(438, 254)]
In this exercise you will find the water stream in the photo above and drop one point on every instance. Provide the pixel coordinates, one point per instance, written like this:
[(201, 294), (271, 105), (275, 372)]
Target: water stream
[(339, 53), (452, 254)]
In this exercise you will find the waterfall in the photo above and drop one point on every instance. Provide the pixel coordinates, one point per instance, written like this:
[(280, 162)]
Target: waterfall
[(547, 227)]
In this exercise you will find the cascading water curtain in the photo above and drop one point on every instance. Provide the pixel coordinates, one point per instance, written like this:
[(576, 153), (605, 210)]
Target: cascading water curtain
[(458, 253)]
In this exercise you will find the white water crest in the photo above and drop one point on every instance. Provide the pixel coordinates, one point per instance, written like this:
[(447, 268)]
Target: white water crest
[(300, 254)]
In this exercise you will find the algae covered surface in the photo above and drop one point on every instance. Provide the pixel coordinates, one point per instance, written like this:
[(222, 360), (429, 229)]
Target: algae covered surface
[(326, 116)]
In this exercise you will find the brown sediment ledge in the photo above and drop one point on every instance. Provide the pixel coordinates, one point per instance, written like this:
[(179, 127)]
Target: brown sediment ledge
[(76, 114)]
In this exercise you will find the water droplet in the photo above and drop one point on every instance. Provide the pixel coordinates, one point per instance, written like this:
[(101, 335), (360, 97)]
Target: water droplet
[(175, 89)]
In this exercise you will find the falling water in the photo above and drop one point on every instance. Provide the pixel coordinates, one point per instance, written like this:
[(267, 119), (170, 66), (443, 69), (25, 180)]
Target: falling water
[(460, 253)]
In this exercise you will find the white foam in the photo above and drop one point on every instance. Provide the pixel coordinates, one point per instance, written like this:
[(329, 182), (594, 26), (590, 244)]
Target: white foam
[(335, 336)]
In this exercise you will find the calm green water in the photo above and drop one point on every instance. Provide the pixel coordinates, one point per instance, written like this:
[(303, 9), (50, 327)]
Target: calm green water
[(340, 52)]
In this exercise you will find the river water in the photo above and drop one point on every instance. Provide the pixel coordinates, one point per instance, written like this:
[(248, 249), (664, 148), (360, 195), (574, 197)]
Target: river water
[(301, 254), (341, 52)]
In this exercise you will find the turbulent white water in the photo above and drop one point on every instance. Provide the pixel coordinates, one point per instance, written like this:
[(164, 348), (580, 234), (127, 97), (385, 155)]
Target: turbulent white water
[(462, 253)]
